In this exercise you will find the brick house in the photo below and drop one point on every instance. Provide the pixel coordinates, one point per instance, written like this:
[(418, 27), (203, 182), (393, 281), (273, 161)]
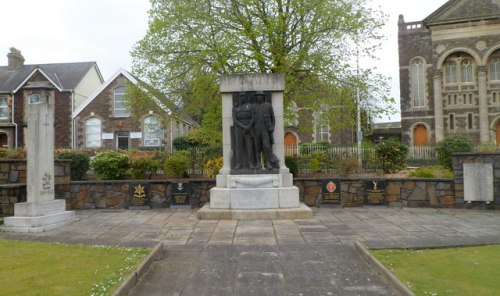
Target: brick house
[(104, 121), (449, 69), (73, 83)]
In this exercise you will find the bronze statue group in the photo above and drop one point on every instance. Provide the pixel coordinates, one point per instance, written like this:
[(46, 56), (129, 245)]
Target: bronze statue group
[(253, 133)]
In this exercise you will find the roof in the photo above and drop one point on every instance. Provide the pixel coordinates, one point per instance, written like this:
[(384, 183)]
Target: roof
[(456, 11), (180, 115), (64, 76), (386, 125)]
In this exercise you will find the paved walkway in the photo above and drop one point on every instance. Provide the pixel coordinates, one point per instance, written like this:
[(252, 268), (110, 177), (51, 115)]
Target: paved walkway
[(272, 257)]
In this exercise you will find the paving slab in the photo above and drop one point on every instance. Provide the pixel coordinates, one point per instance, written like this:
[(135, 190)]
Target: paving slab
[(272, 257)]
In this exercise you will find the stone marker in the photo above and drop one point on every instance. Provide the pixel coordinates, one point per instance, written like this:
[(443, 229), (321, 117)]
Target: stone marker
[(478, 182), (254, 182), (41, 211)]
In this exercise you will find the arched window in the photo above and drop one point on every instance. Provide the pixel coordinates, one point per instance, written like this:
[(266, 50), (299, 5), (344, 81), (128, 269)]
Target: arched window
[(495, 69), (93, 132), (321, 128), (452, 122), (450, 72), (417, 72), (152, 132), (466, 71), (120, 110)]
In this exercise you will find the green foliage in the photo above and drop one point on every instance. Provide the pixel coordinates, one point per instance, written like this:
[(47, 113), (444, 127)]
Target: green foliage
[(212, 167), (143, 164), (110, 165), (80, 163), (18, 153), (292, 164), (451, 145), (184, 143), (347, 166), (434, 171), (177, 164), (391, 155), (189, 44), (487, 147)]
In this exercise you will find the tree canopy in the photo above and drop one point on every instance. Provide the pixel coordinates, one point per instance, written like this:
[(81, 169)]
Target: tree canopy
[(189, 44)]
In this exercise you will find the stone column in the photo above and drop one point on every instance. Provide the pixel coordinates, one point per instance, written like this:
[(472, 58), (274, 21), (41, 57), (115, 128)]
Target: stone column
[(438, 106), (483, 105), (41, 211)]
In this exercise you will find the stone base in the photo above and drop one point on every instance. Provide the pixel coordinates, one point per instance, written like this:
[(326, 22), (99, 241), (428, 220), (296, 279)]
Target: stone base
[(38, 216), (301, 212)]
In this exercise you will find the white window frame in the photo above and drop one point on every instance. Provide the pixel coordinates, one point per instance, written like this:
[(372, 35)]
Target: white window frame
[(466, 71), (418, 72), (450, 72), (93, 122), (152, 132), (4, 107), (119, 109), (321, 130), (495, 69)]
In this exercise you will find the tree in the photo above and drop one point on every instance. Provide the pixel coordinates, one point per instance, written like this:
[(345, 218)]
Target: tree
[(189, 44)]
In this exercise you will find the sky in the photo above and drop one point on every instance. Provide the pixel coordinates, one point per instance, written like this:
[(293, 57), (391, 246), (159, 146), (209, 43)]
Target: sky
[(105, 31)]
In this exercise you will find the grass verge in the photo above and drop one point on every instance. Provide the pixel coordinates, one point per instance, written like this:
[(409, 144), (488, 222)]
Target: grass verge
[(456, 271), (33, 268)]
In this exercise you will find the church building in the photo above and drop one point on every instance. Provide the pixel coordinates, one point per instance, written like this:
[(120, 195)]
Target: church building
[(449, 68)]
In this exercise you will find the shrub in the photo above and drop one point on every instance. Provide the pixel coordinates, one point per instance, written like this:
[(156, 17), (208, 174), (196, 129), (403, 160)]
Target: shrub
[(80, 163), (213, 166), (347, 166), (391, 155), (17, 153), (110, 165), (487, 147), (143, 164), (184, 143), (177, 164), (434, 171), (451, 145), (292, 164)]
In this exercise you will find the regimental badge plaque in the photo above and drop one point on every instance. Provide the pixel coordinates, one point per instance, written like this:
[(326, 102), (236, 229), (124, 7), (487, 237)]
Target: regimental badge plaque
[(331, 192), (374, 193), (180, 194), (140, 196)]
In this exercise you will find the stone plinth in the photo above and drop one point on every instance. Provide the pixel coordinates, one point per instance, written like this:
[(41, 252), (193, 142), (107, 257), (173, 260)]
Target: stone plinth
[(38, 216), (209, 213)]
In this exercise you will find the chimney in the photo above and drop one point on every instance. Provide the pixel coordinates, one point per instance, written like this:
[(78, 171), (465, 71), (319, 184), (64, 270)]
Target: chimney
[(15, 59)]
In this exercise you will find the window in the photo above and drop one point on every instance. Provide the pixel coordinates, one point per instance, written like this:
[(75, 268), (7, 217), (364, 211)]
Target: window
[(417, 73), (152, 131), (120, 110), (321, 129), (452, 122), (4, 108), (466, 71), (470, 121), (495, 69), (450, 72), (122, 139), (93, 133)]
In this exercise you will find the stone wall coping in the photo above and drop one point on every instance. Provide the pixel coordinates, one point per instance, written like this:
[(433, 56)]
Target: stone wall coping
[(375, 179), (474, 153), (143, 180)]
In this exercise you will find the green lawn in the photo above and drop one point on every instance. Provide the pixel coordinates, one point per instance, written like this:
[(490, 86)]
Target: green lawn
[(32, 268), (457, 271)]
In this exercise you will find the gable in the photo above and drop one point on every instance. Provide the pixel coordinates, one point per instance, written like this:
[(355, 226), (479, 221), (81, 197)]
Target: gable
[(456, 11)]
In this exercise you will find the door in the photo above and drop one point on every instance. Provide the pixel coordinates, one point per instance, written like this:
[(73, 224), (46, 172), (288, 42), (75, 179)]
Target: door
[(420, 135), (122, 139), (290, 144)]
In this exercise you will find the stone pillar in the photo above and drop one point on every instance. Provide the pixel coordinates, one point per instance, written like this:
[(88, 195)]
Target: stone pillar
[(438, 106), (483, 105), (41, 211), (243, 191)]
